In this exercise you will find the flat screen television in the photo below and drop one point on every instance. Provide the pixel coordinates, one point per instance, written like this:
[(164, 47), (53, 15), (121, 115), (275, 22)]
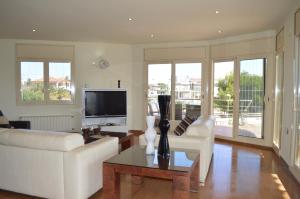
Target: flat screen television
[(105, 103)]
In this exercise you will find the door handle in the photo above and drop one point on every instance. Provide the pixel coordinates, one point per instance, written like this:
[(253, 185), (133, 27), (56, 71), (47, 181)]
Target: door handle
[(266, 100)]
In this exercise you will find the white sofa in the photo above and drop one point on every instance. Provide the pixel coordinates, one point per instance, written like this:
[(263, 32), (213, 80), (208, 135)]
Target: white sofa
[(198, 136), (52, 164)]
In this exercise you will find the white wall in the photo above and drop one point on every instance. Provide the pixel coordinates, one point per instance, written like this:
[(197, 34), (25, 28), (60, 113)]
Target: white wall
[(288, 91), (119, 56), (258, 44), (288, 127), (127, 64)]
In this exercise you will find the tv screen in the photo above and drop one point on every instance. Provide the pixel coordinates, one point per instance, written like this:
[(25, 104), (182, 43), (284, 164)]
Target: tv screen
[(102, 103)]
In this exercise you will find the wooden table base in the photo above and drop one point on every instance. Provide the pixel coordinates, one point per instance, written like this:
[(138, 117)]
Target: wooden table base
[(183, 182)]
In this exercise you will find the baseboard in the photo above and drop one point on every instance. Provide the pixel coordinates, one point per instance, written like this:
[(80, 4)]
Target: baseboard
[(295, 174), (244, 144)]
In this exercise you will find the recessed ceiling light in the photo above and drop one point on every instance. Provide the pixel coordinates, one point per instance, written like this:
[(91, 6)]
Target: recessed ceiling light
[(152, 35), (33, 30), (220, 31), (130, 19), (217, 11)]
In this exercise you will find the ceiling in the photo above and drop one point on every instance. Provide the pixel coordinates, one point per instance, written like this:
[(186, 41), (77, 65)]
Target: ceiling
[(167, 20)]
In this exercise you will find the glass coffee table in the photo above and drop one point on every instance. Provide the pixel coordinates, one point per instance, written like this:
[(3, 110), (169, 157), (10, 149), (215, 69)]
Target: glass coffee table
[(182, 167)]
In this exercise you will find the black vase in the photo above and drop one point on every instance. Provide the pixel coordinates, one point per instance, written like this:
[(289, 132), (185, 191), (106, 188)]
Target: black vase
[(163, 162), (164, 125)]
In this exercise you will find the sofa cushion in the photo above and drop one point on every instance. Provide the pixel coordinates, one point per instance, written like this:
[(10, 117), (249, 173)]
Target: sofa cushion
[(4, 123), (183, 125), (201, 127), (45, 140)]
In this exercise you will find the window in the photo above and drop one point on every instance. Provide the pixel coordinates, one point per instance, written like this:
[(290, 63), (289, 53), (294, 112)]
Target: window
[(32, 82), (187, 90), (223, 97), (159, 83), (60, 81), (251, 97), (182, 81), (45, 82), (238, 98)]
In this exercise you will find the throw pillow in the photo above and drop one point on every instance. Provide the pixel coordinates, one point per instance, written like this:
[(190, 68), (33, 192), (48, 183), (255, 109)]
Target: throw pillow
[(4, 123), (181, 128)]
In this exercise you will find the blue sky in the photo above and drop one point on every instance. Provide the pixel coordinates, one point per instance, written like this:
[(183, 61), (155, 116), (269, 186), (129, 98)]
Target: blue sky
[(34, 70), (161, 73)]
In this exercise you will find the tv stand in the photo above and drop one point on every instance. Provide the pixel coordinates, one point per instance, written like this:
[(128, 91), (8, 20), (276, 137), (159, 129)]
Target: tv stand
[(114, 128), (111, 124), (125, 140), (117, 124)]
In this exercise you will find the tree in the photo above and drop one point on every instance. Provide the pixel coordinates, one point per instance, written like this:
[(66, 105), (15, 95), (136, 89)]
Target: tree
[(163, 88), (28, 83), (225, 95), (251, 91), (33, 92)]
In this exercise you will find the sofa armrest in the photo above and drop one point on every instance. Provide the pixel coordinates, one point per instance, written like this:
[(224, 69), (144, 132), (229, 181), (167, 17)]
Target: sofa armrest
[(202, 144), (184, 142), (6, 126), (20, 124), (83, 167)]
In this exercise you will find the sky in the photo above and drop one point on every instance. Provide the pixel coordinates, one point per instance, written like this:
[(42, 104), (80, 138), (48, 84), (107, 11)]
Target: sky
[(221, 69), (254, 67), (34, 70), (161, 73), (156, 72)]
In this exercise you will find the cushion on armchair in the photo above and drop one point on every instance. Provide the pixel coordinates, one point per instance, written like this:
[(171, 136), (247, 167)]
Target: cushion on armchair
[(4, 123), (200, 127), (183, 125)]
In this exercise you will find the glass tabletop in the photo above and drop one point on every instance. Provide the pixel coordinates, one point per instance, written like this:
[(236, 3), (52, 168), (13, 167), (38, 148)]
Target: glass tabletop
[(179, 160)]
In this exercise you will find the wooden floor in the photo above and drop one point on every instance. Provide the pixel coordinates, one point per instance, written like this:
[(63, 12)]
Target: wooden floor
[(236, 172)]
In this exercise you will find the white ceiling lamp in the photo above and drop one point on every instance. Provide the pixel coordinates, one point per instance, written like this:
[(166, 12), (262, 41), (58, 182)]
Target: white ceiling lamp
[(220, 31), (152, 35), (33, 30), (130, 19), (217, 12)]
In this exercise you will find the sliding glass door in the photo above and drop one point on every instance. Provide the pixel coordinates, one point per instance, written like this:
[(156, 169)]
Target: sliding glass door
[(223, 96), (251, 97), (238, 98)]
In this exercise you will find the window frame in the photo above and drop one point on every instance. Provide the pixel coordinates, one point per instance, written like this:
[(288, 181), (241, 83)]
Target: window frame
[(296, 146), (268, 94), (46, 100), (173, 82)]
